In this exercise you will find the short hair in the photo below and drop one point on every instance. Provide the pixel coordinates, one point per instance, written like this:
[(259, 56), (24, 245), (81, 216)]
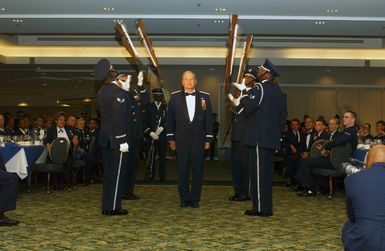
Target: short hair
[(60, 114), (370, 127), (295, 120), (321, 120), (381, 122), (193, 73), (336, 120), (353, 114)]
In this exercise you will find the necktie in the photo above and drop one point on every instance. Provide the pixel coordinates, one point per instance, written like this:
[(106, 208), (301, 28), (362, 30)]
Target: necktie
[(188, 94)]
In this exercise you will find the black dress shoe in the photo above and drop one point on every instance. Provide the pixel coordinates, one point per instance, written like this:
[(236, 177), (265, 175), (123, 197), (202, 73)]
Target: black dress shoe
[(234, 197), (184, 204), (115, 212), (295, 188), (130, 197), (194, 204), (254, 212), (7, 222), (308, 193)]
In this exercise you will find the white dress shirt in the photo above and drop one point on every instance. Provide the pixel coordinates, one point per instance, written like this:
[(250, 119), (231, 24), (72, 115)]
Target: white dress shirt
[(158, 104), (61, 133), (190, 101)]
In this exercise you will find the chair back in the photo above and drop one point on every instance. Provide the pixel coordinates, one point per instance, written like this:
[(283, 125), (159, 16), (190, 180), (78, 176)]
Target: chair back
[(92, 147), (59, 150), (314, 152), (340, 154)]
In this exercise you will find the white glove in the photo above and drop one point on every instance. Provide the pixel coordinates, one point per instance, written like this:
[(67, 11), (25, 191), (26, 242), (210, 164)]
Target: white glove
[(233, 100), (123, 147), (140, 79), (41, 134), (126, 84), (159, 130), (154, 136), (240, 86)]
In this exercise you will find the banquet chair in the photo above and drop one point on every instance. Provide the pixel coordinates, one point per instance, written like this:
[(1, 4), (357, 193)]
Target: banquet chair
[(337, 156), (57, 154)]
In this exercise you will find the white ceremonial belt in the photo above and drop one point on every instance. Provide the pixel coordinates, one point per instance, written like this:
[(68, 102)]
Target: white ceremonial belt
[(120, 136)]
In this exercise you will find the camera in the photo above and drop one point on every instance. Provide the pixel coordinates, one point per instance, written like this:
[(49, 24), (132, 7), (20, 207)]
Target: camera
[(352, 166)]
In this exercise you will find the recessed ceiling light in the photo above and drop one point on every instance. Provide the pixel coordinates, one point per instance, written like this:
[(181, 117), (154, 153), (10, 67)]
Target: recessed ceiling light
[(65, 105), (87, 100), (320, 22), (332, 11), (17, 20), (118, 20), (220, 9), (219, 21), (2, 9), (108, 8), (22, 104)]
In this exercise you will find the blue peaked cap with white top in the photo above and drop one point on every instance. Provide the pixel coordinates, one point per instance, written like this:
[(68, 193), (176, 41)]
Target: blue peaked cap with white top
[(270, 67), (252, 72)]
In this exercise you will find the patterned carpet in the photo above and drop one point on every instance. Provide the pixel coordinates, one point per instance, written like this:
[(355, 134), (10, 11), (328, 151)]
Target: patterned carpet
[(72, 221)]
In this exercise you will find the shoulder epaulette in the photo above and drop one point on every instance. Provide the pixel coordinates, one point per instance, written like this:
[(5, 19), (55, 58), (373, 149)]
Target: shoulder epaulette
[(204, 92), (175, 92)]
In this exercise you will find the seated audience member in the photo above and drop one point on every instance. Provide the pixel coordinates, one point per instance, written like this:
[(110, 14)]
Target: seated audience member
[(334, 128), (81, 150), (320, 128), (10, 124), (59, 131), (365, 205), (309, 137), (305, 176), (38, 127), (48, 123), (3, 130), (380, 129), (8, 194), (23, 127), (365, 135), (70, 123), (293, 149)]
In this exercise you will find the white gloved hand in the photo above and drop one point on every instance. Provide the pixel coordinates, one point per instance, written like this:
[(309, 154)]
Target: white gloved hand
[(123, 147), (41, 134), (154, 136), (233, 100), (240, 86), (140, 79), (126, 84), (159, 130)]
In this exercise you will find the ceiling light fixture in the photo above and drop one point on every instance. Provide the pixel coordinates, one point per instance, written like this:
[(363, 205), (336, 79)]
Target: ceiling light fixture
[(22, 104), (219, 21), (17, 20), (108, 8), (87, 100), (220, 9), (118, 20), (332, 11), (65, 105), (2, 9), (320, 22)]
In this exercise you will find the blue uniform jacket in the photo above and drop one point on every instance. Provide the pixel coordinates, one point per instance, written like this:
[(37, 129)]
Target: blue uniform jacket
[(114, 105), (267, 112), (178, 121), (155, 118), (365, 205)]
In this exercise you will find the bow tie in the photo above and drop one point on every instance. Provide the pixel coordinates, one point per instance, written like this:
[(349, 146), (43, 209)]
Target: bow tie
[(61, 130), (188, 94)]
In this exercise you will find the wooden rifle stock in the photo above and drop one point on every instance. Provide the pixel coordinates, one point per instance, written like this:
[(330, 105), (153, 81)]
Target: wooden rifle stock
[(145, 40), (127, 43), (245, 57), (231, 51)]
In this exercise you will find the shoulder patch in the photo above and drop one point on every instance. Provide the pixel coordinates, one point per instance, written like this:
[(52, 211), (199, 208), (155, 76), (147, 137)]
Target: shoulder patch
[(205, 93), (175, 92)]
